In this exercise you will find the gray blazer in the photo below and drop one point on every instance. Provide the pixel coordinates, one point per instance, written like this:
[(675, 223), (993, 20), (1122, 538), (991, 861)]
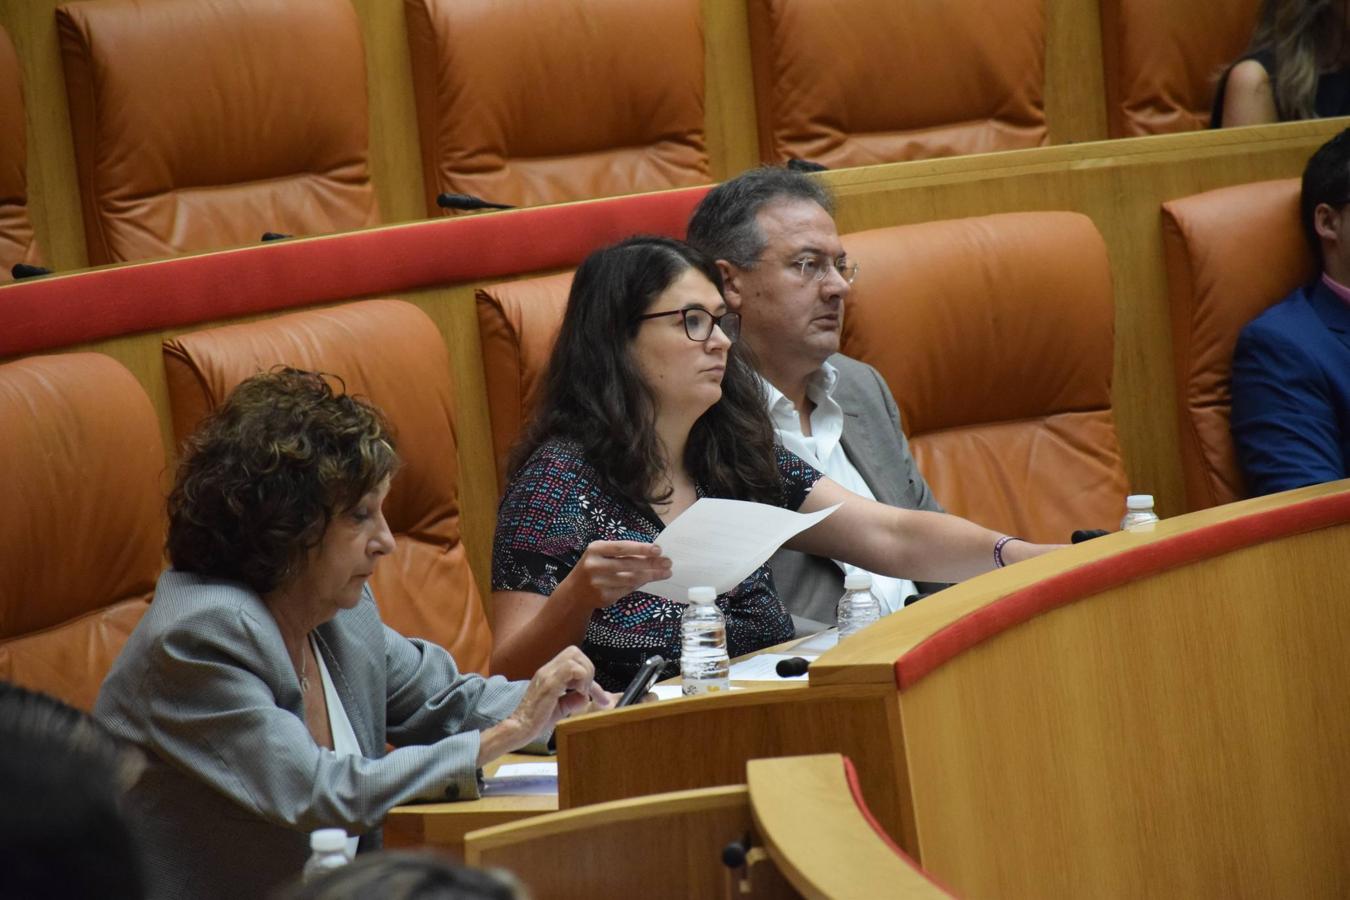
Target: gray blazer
[(875, 443), (234, 780)]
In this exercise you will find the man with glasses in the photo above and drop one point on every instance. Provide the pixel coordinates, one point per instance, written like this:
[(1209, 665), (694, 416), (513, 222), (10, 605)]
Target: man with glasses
[(773, 235), (1291, 366)]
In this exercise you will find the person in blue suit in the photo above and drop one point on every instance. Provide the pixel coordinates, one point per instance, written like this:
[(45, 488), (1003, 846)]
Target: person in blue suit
[(1291, 366)]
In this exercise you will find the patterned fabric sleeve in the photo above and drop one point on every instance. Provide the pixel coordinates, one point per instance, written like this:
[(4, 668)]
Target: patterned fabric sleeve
[(542, 522), (797, 474)]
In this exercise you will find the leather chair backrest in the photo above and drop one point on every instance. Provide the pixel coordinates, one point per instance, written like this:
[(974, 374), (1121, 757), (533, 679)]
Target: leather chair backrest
[(17, 244), (1230, 254), (995, 336), (390, 352), (545, 101), (202, 125), (1162, 59), (82, 537), (858, 82), (518, 324)]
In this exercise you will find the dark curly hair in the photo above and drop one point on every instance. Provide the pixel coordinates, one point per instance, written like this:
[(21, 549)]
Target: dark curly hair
[(265, 473), (594, 394)]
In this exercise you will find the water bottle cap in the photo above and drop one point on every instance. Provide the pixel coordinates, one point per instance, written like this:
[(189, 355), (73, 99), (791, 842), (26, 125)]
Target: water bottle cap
[(328, 840), (702, 594), (858, 581), (1139, 501)]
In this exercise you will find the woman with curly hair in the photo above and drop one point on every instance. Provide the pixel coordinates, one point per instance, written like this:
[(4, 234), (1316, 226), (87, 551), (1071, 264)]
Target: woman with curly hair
[(650, 403), (1296, 67), (262, 685)]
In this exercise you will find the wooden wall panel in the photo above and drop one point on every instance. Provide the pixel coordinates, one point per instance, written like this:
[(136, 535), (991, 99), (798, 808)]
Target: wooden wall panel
[(53, 189), (1182, 735), (395, 158), (1075, 89)]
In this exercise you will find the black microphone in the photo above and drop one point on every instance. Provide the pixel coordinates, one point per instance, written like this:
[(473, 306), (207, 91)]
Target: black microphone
[(23, 270), (1087, 534), (467, 202), (275, 236), (788, 668)]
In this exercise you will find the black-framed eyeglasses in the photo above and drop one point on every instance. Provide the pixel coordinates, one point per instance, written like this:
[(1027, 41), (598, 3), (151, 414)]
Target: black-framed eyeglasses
[(699, 323)]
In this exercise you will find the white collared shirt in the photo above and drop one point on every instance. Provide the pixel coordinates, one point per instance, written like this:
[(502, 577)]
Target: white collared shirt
[(344, 736), (824, 451)]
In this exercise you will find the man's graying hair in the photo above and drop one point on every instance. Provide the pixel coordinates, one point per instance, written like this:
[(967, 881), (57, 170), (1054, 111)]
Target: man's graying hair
[(724, 227)]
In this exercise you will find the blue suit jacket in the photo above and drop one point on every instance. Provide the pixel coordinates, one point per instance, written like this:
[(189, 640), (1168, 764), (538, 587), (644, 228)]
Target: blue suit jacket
[(1291, 392)]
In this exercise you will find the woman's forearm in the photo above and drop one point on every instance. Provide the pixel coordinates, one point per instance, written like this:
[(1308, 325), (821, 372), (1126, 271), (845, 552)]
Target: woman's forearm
[(530, 629)]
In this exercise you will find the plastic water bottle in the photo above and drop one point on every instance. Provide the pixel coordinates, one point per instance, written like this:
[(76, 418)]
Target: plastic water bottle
[(1139, 514), (328, 850), (859, 607), (704, 666)]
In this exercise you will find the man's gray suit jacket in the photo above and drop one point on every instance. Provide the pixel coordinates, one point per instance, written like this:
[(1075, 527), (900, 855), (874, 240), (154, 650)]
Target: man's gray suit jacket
[(810, 586), (234, 781)]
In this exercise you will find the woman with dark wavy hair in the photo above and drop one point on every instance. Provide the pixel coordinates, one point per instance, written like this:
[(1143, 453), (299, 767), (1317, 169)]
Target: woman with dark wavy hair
[(650, 403), (1297, 66), (262, 685)]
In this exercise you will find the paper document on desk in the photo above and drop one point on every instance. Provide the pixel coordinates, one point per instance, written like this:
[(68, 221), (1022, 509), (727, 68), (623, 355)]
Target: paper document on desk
[(720, 542), (522, 779)]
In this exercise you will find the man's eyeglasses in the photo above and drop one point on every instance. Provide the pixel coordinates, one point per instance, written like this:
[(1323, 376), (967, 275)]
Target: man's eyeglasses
[(815, 268), (698, 322)]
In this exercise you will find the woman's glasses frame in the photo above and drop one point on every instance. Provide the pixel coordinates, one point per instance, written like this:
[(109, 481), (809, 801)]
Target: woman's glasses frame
[(699, 323)]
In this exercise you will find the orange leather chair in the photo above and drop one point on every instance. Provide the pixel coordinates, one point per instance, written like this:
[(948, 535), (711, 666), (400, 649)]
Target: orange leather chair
[(518, 323), (201, 125), (995, 336), (1161, 60), (859, 82), (391, 353), (1230, 254), (17, 244), (83, 532), (545, 101)]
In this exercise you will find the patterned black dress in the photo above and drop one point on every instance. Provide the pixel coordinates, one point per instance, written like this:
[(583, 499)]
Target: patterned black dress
[(556, 505)]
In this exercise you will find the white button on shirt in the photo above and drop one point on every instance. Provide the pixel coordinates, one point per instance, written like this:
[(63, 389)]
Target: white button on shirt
[(823, 450)]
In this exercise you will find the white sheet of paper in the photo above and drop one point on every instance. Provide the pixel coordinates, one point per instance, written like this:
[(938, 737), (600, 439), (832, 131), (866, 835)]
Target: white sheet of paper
[(527, 770), (720, 542), (762, 667), (675, 691), (817, 644), (667, 691), (522, 779)]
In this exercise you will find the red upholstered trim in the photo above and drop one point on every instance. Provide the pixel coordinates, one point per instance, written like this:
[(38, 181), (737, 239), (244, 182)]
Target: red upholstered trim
[(855, 789), (176, 293), (1093, 578)]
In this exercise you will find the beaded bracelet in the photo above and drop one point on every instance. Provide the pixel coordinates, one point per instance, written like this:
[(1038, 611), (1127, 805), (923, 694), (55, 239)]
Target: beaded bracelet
[(998, 549)]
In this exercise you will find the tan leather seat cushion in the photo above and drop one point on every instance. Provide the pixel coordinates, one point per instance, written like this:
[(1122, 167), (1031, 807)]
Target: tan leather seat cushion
[(83, 533), (1162, 58), (543, 101), (202, 125), (389, 352), (995, 335), (17, 244), (1230, 254), (859, 82), (518, 324)]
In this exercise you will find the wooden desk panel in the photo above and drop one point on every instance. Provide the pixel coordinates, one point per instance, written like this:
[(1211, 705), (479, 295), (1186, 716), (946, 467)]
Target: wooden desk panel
[(706, 741)]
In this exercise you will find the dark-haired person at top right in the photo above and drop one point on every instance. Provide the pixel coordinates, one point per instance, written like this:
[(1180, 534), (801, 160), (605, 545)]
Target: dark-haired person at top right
[(1291, 366), (1297, 66)]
